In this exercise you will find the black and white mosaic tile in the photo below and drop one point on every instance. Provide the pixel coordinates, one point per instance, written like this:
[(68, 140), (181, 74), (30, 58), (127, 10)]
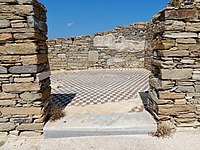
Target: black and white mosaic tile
[(98, 86)]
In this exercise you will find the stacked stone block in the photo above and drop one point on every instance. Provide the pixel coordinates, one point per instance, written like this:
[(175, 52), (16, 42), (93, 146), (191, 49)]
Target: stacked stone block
[(174, 44), (24, 68), (122, 47)]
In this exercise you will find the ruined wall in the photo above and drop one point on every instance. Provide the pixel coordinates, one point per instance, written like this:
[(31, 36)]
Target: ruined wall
[(122, 47), (24, 68), (173, 50)]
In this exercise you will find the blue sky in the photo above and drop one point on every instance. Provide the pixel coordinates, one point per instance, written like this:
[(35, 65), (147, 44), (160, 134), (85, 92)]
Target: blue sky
[(68, 18)]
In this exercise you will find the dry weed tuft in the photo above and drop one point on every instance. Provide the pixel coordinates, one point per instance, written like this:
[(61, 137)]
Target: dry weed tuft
[(164, 130), (56, 112)]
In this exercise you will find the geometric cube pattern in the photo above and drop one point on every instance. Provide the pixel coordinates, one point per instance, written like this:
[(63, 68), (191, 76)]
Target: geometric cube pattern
[(90, 87)]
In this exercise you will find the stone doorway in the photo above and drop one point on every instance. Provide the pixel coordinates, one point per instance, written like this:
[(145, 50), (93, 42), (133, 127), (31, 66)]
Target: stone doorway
[(101, 102)]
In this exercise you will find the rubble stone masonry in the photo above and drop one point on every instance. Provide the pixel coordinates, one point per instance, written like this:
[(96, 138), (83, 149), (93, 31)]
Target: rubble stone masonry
[(24, 68), (122, 47), (173, 55), (169, 46)]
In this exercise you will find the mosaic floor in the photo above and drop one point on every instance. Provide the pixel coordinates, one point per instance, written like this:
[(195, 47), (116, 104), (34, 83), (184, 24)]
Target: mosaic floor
[(97, 86)]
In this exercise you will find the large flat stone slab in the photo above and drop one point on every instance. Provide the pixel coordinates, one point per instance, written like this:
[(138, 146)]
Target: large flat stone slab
[(101, 125), (176, 74)]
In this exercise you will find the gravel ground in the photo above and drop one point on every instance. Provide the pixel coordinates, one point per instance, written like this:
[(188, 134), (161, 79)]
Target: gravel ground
[(181, 140)]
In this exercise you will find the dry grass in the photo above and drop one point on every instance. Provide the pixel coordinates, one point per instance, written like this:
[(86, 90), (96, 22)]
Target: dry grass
[(164, 130), (56, 112)]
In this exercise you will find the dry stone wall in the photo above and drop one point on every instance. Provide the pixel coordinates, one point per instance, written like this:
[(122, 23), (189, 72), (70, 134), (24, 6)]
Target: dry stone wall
[(24, 68), (173, 54), (122, 47)]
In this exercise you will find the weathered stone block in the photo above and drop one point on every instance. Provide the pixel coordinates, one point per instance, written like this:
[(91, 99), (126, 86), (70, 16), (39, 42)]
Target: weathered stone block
[(3, 70), (186, 41), (174, 25), (19, 87), (180, 35), (30, 127), (5, 36), (167, 84), (15, 24), (155, 82), (193, 95), (175, 109), (93, 56), (7, 102), (181, 14), (23, 48), (184, 83), (196, 76), (19, 36), (5, 75), (198, 108), (197, 88), (4, 96), (102, 41), (110, 62), (187, 61), (43, 75), (62, 56), (168, 43), (17, 30), (194, 124), (3, 120), (187, 115), (21, 10), (14, 132), (173, 53), (30, 97), (25, 1), (26, 69), (180, 101), (156, 44), (159, 84), (4, 23), (194, 47), (189, 89), (176, 74), (185, 120), (21, 111), (30, 134), (192, 27), (23, 80), (118, 60), (34, 59), (163, 44), (7, 1), (21, 120), (164, 102), (171, 95), (7, 127), (15, 58)]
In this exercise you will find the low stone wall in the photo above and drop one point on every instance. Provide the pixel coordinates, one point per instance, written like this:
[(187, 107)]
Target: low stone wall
[(24, 68), (122, 47), (175, 45)]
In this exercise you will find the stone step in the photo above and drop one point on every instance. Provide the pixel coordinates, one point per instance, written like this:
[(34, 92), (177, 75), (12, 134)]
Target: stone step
[(78, 125)]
